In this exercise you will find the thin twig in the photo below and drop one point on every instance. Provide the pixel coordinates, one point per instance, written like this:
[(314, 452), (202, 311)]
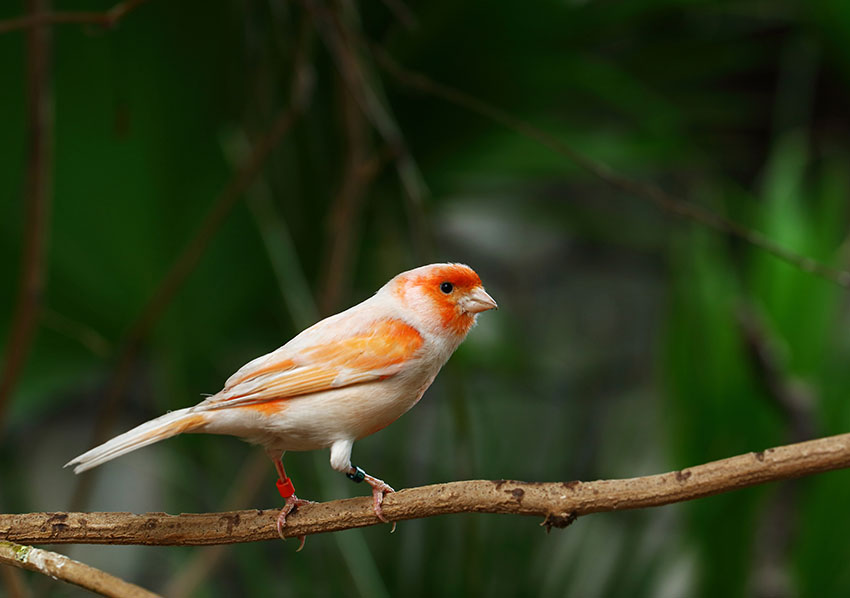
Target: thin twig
[(646, 191), (44, 17), (59, 566), (38, 199), (558, 503)]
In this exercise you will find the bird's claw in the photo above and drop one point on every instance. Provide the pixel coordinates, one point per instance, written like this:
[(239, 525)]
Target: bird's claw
[(379, 489), (292, 503)]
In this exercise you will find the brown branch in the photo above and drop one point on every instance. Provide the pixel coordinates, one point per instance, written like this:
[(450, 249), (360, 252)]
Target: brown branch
[(59, 566), (37, 196), (42, 17), (646, 191), (558, 503)]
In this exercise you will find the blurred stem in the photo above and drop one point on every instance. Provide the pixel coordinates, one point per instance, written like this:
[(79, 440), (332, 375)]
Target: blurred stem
[(38, 192), (795, 401), (280, 249), (87, 336), (14, 584), (46, 18), (402, 13), (649, 192), (339, 34), (777, 522), (342, 231)]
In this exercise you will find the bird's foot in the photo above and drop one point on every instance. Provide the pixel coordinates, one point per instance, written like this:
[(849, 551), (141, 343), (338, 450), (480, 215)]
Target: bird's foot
[(379, 489), (292, 503)]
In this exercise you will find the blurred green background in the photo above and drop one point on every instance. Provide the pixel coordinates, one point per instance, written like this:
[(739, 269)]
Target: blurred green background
[(627, 341)]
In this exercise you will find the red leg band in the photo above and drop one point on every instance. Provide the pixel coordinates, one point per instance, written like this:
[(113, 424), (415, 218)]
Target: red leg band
[(285, 487)]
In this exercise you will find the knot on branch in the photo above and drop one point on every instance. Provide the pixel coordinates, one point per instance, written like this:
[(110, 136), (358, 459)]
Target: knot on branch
[(560, 521)]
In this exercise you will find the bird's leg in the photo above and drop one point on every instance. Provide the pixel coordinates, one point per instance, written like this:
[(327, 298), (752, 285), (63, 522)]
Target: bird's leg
[(291, 502), (341, 461), (379, 489)]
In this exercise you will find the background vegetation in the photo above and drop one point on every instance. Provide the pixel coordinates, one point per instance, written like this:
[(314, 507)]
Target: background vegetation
[(628, 342)]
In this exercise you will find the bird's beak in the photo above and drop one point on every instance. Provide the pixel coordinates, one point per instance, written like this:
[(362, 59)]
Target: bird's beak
[(477, 301)]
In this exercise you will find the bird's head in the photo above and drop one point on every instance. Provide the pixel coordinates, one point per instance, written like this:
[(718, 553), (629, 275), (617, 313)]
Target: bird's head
[(445, 297)]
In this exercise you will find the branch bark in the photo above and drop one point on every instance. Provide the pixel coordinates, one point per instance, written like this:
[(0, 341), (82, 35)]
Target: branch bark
[(558, 503), (58, 566)]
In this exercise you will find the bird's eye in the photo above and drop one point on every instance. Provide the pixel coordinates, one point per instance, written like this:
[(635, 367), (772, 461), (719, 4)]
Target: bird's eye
[(447, 287)]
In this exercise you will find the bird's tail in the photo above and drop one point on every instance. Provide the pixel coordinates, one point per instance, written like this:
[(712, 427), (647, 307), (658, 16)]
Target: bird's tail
[(166, 426)]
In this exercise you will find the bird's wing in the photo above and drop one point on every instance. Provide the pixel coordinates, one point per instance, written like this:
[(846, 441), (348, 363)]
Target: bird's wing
[(371, 353)]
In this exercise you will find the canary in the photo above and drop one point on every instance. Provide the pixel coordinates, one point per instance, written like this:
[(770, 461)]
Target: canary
[(342, 379)]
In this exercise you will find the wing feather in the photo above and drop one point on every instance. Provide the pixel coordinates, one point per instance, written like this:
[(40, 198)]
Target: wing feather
[(377, 352)]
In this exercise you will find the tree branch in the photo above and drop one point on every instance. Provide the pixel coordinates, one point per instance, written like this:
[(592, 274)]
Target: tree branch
[(559, 503), (105, 19), (59, 566)]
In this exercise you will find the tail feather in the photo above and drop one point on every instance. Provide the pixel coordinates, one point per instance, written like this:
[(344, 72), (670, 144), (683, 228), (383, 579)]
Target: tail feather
[(165, 426)]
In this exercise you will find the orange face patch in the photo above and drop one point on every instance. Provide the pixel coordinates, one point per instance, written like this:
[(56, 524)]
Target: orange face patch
[(462, 280)]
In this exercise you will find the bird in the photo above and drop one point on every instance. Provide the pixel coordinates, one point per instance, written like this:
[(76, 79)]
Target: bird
[(340, 380)]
